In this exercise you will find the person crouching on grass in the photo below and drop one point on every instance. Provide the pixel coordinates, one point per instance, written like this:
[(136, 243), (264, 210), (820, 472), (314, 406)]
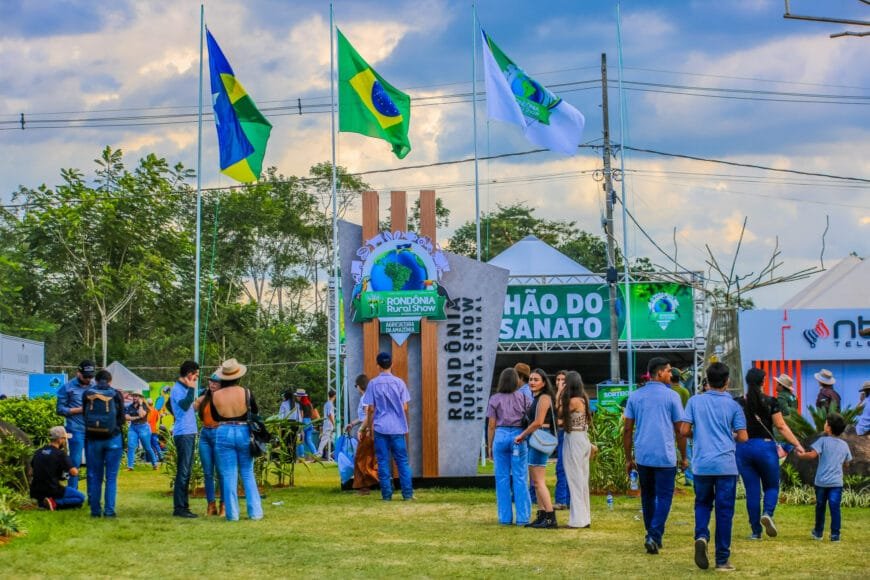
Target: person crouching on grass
[(714, 420), (834, 456)]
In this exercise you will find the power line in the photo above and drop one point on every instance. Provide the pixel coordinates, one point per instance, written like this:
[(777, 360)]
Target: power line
[(588, 145), (751, 165)]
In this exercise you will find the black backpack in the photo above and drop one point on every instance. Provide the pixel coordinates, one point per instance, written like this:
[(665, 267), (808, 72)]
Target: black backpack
[(100, 412)]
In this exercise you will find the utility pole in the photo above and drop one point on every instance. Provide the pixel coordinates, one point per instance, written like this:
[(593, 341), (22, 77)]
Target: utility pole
[(608, 228)]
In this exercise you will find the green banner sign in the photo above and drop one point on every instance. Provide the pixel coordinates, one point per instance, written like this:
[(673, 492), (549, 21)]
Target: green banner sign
[(399, 326), (580, 312), (612, 397), (413, 305)]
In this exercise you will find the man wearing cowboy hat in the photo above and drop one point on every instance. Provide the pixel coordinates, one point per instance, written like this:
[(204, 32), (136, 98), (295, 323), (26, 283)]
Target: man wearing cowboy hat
[(827, 395), (863, 426), (785, 394)]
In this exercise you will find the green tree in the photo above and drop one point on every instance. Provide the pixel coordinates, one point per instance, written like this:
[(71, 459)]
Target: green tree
[(96, 247), (507, 225)]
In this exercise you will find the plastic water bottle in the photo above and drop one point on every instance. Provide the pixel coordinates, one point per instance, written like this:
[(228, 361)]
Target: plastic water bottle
[(632, 477), (610, 501)]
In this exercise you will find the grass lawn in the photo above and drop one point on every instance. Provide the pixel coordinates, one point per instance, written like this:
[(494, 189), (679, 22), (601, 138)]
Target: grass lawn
[(322, 532)]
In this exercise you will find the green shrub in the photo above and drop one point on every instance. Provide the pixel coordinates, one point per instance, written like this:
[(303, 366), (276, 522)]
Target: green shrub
[(14, 458), (607, 470), (33, 416)]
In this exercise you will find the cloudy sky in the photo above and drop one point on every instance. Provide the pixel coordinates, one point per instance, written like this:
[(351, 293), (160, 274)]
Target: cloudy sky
[(730, 81)]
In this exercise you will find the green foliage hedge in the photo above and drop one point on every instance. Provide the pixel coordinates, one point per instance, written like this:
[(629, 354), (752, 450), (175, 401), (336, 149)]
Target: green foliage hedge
[(33, 416)]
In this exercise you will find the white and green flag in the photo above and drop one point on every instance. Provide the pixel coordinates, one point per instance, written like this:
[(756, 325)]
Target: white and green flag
[(515, 97)]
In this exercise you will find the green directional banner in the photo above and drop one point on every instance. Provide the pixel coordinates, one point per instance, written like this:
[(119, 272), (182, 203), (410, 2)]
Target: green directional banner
[(580, 312)]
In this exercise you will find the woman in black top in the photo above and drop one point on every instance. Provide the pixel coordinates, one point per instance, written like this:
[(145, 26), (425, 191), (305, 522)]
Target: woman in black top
[(229, 407), (541, 415), (757, 458)]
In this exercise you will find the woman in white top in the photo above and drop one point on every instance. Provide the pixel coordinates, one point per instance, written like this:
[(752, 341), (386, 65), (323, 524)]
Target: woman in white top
[(576, 419)]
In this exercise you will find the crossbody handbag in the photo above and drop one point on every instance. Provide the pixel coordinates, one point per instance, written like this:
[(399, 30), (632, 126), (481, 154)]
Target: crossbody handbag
[(542, 440), (780, 452), (259, 433)]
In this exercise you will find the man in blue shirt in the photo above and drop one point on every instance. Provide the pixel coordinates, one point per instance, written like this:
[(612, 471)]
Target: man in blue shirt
[(714, 421), (524, 371), (387, 400), (653, 416), (69, 405), (184, 434), (327, 430), (863, 426)]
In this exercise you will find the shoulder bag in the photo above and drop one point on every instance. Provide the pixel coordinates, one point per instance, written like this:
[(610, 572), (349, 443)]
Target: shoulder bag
[(260, 437), (780, 451), (543, 440)]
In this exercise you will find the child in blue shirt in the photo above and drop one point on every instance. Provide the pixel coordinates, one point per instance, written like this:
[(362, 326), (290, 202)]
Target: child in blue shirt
[(834, 456)]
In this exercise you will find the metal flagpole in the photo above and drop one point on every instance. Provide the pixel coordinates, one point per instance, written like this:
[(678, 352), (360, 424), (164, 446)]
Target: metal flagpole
[(629, 355), (475, 32), (198, 190), (336, 327)]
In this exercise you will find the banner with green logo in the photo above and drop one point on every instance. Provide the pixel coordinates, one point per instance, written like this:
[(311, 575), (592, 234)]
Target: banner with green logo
[(580, 312)]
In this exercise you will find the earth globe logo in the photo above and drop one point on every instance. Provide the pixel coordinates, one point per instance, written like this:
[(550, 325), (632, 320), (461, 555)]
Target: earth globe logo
[(398, 269), (663, 309)]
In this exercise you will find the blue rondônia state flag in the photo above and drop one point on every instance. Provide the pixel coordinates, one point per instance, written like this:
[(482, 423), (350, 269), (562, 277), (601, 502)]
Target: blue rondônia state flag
[(369, 105), (242, 129)]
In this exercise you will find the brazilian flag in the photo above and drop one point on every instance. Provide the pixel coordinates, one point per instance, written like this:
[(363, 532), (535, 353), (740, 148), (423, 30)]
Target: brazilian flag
[(369, 105), (242, 129)]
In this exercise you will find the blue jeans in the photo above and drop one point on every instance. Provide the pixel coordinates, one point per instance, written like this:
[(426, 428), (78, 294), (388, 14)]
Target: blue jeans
[(155, 447), (656, 495), (758, 465), (184, 464), (104, 462), (233, 446), (208, 458), (832, 497), (563, 496), (139, 433), (720, 490), (76, 448), (308, 445), (511, 476), (386, 445), (72, 498)]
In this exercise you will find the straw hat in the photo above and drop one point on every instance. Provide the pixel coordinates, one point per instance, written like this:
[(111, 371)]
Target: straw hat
[(865, 386), (785, 381), (825, 377), (231, 370)]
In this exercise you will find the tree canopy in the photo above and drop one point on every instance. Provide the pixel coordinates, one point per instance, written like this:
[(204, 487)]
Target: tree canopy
[(117, 247)]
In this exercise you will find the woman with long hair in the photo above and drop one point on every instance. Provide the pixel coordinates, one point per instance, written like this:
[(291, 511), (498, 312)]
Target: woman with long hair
[(208, 446), (365, 464), (757, 458), (562, 495), (540, 416), (505, 411), (229, 407), (576, 420)]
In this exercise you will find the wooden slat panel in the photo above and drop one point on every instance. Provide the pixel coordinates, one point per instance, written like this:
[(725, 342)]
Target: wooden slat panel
[(429, 356), (371, 330), (399, 221)]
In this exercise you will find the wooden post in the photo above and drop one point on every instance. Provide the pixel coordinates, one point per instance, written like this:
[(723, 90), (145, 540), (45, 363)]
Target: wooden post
[(399, 221), (371, 329), (429, 356)]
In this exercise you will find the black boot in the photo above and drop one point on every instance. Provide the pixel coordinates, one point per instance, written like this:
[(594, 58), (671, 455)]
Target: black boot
[(542, 515), (549, 521)]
